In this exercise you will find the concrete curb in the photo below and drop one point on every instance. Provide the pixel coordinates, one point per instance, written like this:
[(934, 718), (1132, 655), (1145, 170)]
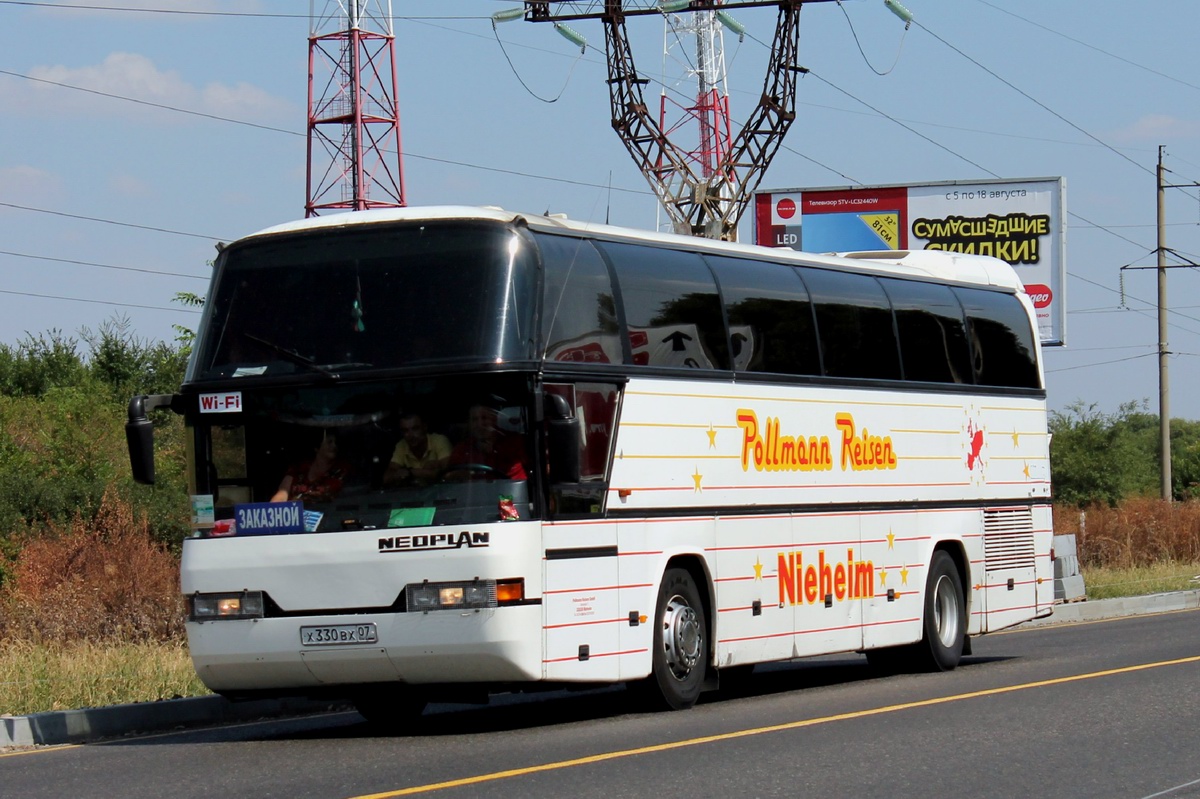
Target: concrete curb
[(1120, 606), (89, 724), (80, 726)]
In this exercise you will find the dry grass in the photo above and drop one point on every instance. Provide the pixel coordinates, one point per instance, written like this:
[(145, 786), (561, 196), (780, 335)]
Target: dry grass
[(39, 677), (1138, 533), (102, 579)]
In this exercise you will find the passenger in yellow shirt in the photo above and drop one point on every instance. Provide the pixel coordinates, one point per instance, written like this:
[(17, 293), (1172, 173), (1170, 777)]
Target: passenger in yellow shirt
[(420, 456)]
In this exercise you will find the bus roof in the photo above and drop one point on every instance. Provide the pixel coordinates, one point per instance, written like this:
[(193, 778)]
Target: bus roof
[(944, 266)]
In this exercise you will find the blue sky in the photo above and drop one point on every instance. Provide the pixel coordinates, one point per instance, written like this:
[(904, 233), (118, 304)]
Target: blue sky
[(1085, 89)]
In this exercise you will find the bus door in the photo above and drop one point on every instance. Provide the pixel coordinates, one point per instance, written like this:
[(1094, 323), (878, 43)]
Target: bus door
[(582, 604)]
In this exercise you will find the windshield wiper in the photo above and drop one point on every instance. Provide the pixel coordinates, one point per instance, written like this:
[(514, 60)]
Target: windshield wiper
[(292, 355)]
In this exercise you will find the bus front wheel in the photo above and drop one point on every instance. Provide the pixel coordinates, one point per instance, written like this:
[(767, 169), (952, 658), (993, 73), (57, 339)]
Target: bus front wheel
[(680, 644)]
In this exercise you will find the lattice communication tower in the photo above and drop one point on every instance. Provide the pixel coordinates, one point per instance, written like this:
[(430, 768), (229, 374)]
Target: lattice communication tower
[(354, 155), (702, 205)]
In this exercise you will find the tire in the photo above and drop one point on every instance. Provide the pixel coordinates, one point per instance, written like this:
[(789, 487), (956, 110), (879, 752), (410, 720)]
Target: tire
[(680, 645), (389, 708), (941, 646)]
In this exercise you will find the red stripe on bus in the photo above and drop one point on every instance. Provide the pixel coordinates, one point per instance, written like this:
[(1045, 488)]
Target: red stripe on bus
[(596, 655)]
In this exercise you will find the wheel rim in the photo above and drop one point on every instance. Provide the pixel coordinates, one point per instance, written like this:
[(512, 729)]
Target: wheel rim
[(682, 637), (946, 611)]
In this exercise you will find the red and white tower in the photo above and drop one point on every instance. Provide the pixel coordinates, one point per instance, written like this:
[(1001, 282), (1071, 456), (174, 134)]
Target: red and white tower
[(354, 155), (694, 55)]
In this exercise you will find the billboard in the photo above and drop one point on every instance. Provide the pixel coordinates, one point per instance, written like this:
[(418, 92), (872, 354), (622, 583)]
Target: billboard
[(1021, 221)]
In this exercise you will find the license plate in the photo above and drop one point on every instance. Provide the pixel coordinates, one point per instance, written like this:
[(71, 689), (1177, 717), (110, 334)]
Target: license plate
[(339, 634)]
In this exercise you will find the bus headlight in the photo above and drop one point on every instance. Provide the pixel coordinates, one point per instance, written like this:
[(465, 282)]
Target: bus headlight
[(463, 595), (211, 607)]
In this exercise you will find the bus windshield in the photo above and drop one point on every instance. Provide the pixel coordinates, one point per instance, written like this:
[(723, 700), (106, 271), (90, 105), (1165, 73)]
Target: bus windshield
[(372, 455), (335, 300)]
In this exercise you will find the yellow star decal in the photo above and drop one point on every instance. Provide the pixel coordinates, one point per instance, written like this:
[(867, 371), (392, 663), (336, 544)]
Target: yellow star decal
[(891, 539), (712, 436), (1016, 436), (757, 570), (697, 477), (882, 577), (1026, 470), (904, 575)]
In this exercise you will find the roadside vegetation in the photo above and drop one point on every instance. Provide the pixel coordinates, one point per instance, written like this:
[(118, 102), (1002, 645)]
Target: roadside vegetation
[(90, 607)]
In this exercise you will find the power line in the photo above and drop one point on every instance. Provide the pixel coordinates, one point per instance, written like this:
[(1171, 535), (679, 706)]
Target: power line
[(99, 302), (101, 266), (182, 12), (1089, 46), (1100, 363), (1037, 102), (112, 222)]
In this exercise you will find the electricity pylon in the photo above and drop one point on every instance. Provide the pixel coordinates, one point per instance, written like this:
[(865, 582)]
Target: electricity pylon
[(354, 156), (702, 205)]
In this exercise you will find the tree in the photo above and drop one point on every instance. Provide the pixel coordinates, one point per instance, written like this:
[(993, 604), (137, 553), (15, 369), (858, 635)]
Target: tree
[(1098, 457)]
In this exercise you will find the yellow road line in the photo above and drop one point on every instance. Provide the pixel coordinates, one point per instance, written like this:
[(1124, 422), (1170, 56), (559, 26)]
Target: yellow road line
[(728, 736)]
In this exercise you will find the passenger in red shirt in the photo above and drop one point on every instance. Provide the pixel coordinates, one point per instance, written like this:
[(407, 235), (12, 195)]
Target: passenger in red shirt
[(316, 480), (487, 446)]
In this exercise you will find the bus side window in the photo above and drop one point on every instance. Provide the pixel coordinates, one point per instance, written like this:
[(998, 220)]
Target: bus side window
[(933, 341), (854, 325), (1003, 349), (580, 313), (672, 309), (231, 485), (770, 317), (578, 469)]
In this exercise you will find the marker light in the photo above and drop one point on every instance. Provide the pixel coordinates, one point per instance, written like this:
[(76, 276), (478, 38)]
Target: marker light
[(468, 594), (213, 607), (571, 35)]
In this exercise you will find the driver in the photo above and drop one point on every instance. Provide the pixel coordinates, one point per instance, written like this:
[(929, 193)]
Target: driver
[(486, 445), (420, 456)]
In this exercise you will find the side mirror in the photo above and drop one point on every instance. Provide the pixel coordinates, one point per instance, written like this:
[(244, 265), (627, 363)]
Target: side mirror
[(139, 435), (564, 436)]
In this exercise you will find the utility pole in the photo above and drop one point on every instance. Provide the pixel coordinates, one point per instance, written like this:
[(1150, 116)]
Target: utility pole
[(1164, 391)]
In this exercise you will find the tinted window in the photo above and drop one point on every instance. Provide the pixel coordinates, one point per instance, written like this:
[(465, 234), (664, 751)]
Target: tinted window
[(770, 317), (671, 307), (369, 296), (854, 324), (579, 316), (933, 343), (1002, 346)]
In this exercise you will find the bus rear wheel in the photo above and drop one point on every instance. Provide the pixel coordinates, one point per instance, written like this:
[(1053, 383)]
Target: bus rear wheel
[(941, 646), (943, 637), (680, 645)]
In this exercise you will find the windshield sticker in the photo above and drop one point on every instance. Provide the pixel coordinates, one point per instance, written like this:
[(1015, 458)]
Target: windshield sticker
[(266, 518), (225, 402), (410, 517)]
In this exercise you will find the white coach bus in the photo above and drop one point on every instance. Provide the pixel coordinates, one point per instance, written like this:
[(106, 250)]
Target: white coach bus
[(669, 458)]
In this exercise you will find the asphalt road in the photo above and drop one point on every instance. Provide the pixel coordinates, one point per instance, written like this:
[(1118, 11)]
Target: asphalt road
[(1101, 709)]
